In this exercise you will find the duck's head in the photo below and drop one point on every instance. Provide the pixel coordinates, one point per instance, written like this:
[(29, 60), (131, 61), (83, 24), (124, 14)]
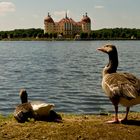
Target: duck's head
[(23, 96), (109, 49)]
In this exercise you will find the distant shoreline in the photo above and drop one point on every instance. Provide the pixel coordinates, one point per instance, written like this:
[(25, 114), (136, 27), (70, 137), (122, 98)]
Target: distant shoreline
[(44, 39), (102, 34)]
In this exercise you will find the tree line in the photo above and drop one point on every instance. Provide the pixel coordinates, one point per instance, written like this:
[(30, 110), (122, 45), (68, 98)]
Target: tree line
[(102, 34), (116, 33), (21, 33)]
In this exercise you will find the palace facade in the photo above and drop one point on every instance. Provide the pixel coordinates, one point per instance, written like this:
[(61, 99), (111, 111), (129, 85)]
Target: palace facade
[(67, 27)]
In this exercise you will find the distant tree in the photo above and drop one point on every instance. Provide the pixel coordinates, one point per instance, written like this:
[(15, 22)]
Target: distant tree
[(46, 35), (24, 35), (55, 35), (11, 35), (5, 35), (84, 35), (123, 35), (93, 35), (39, 35), (50, 35)]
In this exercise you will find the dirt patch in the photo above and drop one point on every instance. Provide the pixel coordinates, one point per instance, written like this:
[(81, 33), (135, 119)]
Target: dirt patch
[(73, 127)]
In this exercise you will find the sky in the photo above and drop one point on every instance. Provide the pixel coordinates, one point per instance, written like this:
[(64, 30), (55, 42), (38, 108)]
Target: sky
[(24, 14)]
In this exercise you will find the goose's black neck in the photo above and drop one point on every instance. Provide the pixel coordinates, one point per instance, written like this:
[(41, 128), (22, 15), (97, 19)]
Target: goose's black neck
[(24, 100), (24, 97), (111, 67)]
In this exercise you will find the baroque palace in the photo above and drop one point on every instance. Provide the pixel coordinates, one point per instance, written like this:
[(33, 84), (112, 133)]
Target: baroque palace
[(67, 27)]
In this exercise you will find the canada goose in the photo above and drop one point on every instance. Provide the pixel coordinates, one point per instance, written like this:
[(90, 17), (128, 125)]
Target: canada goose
[(36, 109), (123, 88)]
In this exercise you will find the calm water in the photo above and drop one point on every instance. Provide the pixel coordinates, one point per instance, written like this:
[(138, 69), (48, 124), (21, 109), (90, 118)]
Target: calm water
[(67, 74)]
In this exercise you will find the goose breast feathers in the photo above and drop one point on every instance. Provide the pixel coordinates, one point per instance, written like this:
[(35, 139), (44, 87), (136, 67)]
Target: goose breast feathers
[(123, 85)]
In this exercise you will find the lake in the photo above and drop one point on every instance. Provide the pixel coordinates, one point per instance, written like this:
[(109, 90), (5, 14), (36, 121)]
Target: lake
[(66, 73)]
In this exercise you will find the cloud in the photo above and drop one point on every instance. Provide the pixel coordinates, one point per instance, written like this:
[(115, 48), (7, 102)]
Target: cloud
[(6, 7), (99, 7)]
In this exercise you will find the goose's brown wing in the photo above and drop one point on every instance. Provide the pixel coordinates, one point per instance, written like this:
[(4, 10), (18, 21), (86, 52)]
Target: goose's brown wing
[(122, 84), (23, 112)]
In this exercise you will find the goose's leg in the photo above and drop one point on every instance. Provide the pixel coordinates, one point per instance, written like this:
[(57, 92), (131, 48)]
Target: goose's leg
[(116, 120), (116, 114), (127, 111), (115, 102)]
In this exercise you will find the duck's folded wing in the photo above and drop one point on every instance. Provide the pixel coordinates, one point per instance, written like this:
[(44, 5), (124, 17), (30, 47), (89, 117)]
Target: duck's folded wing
[(42, 109), (123, 84)]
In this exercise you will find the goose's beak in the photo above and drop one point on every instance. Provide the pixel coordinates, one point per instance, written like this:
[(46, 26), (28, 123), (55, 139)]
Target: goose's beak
[(102, 49), (99, 49)]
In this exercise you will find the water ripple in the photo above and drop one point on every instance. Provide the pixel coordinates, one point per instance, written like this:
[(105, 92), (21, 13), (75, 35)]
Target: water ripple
[(67, 74)]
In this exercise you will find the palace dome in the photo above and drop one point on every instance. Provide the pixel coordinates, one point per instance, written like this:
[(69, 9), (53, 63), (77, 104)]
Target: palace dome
[(86, 19), (49, 19)]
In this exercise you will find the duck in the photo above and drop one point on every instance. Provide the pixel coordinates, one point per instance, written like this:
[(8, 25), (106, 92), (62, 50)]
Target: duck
[(121, 87), (36, 109)]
